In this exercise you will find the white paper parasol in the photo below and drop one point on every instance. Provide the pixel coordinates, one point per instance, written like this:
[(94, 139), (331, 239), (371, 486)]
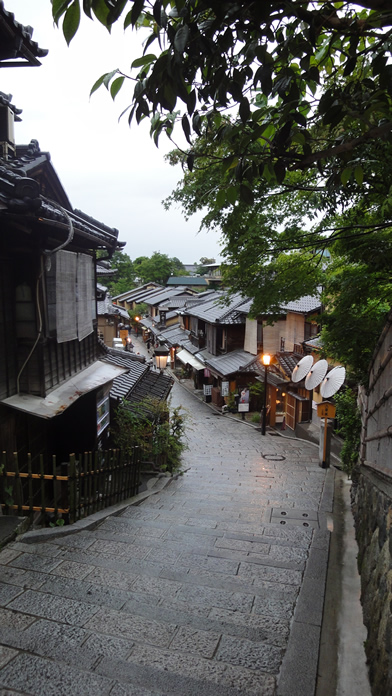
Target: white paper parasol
[(302, 368), (316, 374), (333, 381)]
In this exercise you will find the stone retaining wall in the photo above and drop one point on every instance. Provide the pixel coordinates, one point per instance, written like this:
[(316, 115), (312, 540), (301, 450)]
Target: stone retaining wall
[(372, 510)]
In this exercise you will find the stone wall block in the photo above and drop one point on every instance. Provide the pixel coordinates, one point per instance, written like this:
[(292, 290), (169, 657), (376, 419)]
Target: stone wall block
[(369, 560), (373, 520)]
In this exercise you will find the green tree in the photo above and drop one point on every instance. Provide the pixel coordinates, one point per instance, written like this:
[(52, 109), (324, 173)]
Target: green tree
[(292, 242), (308, 83), (158, 268), (124, 279), (301, 165), (202, 263)]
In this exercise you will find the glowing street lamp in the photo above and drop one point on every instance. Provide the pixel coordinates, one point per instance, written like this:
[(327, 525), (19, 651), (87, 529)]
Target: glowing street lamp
[(266, 359)]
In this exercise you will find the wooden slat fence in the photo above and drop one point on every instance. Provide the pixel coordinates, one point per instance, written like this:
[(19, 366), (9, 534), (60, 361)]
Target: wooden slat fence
[(72, 490)]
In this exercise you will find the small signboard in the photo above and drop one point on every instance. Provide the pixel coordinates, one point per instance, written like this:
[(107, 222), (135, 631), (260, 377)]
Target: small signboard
[(242, 408), (225, 388), (326, 410), (207, 389)]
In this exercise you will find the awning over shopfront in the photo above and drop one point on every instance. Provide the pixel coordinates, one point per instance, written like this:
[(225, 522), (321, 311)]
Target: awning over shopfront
[(94, 376), (189, 359)]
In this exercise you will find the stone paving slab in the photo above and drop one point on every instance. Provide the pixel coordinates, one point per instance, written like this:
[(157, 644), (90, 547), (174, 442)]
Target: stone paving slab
[(192, 591)]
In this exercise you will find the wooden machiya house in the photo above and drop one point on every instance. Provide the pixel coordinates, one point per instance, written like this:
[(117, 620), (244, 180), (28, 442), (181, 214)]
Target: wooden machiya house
[(54, 389)]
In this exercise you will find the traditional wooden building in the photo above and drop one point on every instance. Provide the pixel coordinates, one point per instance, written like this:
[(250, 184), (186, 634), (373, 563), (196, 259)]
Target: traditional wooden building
[(53, 386)]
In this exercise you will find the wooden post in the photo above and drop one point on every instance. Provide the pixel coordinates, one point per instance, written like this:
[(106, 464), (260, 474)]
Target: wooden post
[(42, 472), (325, 410), (17, 492), (72, 489), (95, 476), (30, 483), (55, 489)]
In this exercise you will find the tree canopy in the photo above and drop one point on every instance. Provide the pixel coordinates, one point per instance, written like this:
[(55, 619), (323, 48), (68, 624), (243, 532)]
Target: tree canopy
[(158, 268), (308, 82), (287, 110), (125, 276)]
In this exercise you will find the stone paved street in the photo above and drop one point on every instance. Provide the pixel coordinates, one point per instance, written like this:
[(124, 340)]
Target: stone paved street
[(212, 586)]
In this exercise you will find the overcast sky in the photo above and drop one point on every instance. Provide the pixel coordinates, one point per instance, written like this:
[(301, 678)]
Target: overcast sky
[(108, 170)]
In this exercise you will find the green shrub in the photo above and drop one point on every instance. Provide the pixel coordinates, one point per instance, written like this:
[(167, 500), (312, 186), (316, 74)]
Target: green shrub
[(349, 427), (157, 431)]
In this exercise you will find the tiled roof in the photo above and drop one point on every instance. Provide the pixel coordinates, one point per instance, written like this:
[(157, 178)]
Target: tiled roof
[(154, 384), (187, 280), (20, 194), (17, 45), (213, 310), (174, 335), (287, 362), (188, 345), (135, 292), (164, 295), (123, 384), (306, 304), (229, 363), (106, 306), (149, 323), (314, 342)]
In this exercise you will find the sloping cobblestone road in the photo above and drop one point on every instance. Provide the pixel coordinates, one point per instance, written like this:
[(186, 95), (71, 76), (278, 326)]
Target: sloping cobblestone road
[(191, 592)]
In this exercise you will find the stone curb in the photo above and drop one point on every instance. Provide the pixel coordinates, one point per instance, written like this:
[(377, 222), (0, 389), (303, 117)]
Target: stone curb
[(298, 675), (157, 484)]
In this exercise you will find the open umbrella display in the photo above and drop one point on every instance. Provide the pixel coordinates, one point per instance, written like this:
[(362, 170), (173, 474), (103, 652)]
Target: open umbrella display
[(316, 374), (302, 368)]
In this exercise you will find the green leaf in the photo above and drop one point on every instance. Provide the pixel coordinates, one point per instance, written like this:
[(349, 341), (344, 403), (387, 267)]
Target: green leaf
[(221, 198), (345, 175), (350, 65), (229, 163), (358, 173), (232, 195), (244, 110), (116, 86), (181, 38), (246, 194), (101, 11), (156, 10), (191, 102), (71, 21), (108, 77), (186, 128), (280, 171), (136, 11), (58, 9), (190, 160), (97, 84), (144, 60)]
